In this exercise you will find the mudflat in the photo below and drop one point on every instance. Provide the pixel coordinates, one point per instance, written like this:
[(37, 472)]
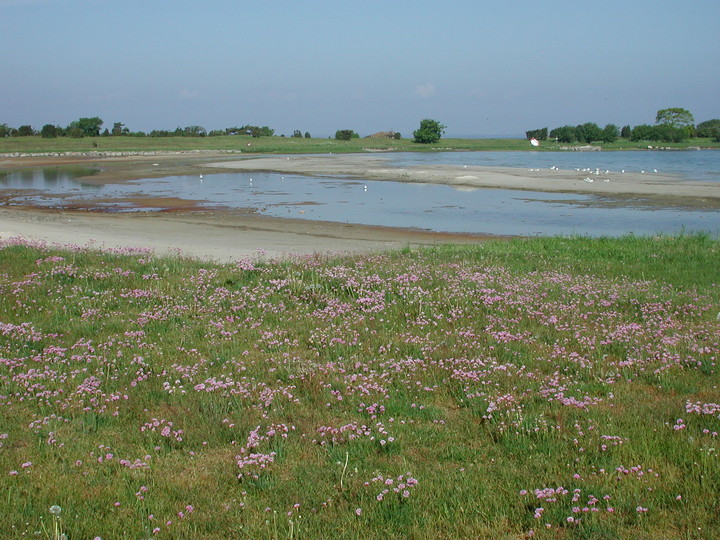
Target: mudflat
[(219, 234), (226, 235)]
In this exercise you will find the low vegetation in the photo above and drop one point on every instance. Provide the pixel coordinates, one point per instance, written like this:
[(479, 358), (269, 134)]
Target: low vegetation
[(288, 145), (547, 387)]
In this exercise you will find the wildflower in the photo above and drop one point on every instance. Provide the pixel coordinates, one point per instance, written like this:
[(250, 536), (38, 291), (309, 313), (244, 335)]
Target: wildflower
[(55, 510), (358, 511)]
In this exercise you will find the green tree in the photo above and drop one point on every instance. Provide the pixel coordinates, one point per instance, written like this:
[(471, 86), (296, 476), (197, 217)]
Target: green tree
[(643, 132), (539, 134), (90, 127), (4, 130), (429, 131), (588, 132), (307, 135), (667, 133), (345, 134), (609, 133), (75, 132), (709, 128), (626, 132), (194, 131), (119, 129), (675, 117), (564, 134), (297, 134), (48, 131), (25, 131)]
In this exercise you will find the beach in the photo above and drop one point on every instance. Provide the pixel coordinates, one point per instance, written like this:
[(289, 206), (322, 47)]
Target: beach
[(226, 235)]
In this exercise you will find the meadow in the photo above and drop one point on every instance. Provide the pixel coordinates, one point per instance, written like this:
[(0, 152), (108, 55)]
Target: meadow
[(543, 387), (292, 145)]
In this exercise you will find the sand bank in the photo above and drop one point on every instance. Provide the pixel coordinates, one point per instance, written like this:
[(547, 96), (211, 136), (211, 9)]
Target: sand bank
[(222, 236), (611, 184)]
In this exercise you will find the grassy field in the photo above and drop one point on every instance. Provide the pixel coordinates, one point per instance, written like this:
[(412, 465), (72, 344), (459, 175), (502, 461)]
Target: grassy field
[(292, 145), (548, 388)]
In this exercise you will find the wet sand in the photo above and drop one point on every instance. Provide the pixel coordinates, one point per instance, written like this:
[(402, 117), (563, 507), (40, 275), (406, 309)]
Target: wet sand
[(227, 235), (611, 184), (222, 236)]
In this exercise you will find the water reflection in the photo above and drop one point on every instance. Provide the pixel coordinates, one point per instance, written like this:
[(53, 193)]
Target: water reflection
[(53, 179)]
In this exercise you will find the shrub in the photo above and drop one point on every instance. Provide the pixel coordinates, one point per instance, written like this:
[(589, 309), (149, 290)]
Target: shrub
[(539, 134), (709, 128), (345, 134), (429, 131), (564, 134), (48, 131), (609, 133)]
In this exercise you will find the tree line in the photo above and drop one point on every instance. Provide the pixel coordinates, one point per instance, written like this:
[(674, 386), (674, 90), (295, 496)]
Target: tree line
[(92, 127), (671, 125)]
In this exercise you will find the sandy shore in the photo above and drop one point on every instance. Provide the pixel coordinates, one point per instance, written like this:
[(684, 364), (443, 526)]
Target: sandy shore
[(222, 236), (610, 184), (227, 235)]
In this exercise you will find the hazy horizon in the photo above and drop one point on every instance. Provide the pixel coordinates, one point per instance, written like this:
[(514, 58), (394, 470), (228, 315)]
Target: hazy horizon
[(477, 67)]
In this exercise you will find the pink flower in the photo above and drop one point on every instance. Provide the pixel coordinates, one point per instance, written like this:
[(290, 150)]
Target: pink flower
[(358, 511)]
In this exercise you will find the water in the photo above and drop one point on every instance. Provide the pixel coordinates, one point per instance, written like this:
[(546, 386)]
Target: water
[(394, 204), (689, 165)]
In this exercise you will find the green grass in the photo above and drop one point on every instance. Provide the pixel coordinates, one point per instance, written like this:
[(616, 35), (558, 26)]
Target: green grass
[(283, 145), (480, 378)]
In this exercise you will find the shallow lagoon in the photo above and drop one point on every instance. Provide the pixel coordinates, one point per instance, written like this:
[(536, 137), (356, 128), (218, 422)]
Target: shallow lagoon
[(395, 204)]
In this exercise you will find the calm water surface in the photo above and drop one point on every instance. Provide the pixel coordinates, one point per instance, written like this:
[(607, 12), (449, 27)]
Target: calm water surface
[(394, 204)]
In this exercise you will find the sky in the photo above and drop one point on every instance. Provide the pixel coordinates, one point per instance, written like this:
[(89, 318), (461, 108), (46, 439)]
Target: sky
[(481, 68)]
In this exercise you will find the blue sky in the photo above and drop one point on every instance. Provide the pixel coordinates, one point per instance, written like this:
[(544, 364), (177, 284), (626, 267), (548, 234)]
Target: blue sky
[(483, 68)]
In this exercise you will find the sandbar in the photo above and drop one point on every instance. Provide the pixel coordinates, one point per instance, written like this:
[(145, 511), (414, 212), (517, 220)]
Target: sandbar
[(225, 235), (661, 187)]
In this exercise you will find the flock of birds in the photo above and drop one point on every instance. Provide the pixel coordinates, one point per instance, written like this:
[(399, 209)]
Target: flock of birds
[(589, 179)]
